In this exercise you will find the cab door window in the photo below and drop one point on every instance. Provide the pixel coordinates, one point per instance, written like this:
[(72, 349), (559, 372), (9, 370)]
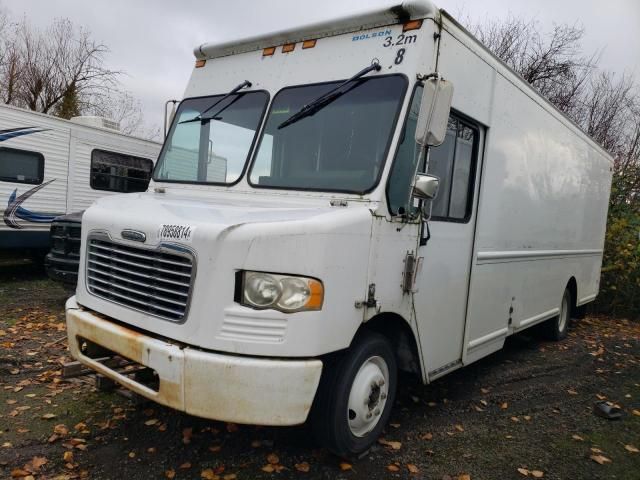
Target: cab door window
[(453, 163)]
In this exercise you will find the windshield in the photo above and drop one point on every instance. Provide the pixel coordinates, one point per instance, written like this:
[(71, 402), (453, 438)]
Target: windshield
[(212, 150), (341, 147)]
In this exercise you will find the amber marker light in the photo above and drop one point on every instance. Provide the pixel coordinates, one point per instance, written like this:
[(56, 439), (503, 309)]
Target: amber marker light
[(200, 63), (308, 44), (317, 295), (267, 52), (412, 25), (289, 47)]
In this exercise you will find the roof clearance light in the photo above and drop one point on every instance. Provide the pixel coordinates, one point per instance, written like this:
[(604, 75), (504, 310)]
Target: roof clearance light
[(200, 63), (267, 52), (289, 47), (412, 25), (308, 44)]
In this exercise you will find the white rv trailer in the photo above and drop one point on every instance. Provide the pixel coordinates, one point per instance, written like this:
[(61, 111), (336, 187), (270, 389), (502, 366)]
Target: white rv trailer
[(50, 166), (322, 264)]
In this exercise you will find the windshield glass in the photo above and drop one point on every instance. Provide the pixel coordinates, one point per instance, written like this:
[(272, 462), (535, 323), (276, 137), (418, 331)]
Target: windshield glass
[(211, 151), (341, 147)]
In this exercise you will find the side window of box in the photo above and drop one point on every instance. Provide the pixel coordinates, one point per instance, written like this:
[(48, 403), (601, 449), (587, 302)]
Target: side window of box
[(21, 166), (118, 172)]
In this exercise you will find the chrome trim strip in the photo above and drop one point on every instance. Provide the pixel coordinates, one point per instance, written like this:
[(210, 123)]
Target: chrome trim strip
[(528, 255)]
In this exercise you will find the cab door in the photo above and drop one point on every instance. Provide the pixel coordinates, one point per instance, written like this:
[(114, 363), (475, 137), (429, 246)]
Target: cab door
[(447, 248)]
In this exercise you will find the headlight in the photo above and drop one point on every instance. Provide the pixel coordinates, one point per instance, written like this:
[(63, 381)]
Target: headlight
[(281, 292)]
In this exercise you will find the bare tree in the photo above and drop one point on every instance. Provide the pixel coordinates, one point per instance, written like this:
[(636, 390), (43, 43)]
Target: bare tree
[(61, 62), (61, 70), (553, 63)]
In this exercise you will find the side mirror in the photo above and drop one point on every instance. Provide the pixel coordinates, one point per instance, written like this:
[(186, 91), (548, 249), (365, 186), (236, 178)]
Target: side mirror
[(434, 111), (425, 186)]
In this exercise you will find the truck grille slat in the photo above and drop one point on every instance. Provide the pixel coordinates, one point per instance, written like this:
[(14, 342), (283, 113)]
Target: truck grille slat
[(129, 253), (138, 274), (114, 258), (141, 284), (154, 281)]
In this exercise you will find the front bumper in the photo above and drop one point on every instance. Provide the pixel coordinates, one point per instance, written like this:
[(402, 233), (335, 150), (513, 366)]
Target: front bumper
[(222, 387)]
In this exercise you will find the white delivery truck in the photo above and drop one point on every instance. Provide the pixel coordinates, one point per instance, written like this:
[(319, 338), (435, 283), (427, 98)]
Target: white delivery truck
[(359, 226), (50, 167)]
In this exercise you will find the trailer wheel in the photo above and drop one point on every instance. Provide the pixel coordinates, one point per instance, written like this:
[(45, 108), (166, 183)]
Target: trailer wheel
[(556, 328), (355, 396)]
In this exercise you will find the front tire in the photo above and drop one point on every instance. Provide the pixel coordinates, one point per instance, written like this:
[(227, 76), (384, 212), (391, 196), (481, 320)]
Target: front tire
[(355, 396)]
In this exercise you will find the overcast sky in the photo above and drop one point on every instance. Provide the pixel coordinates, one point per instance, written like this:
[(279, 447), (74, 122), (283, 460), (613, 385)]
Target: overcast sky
[(153, 40)]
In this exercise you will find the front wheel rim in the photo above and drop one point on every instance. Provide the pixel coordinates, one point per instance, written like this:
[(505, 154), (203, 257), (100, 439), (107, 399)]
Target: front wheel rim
[(564, 313), (368, 396)]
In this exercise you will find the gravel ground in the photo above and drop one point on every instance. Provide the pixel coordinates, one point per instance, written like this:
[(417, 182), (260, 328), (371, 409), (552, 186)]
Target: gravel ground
[(525, 411)]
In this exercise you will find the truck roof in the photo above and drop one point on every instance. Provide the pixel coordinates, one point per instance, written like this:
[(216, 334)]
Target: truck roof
[(367, 18)]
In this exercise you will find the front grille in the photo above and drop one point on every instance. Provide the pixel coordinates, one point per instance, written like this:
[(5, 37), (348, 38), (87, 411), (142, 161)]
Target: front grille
[(157, 282)]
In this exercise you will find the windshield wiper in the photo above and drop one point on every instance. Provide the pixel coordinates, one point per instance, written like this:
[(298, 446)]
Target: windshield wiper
[(324, 100), (201, 118)]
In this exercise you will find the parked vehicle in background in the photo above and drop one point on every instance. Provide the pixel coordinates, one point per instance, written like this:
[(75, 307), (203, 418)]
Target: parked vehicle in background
[(333, 204), (50, 167)]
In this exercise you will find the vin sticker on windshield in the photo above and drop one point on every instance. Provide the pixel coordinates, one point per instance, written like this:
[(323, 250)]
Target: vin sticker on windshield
[(175, 233)]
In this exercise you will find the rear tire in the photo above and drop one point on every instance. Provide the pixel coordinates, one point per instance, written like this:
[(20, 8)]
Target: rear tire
[(355, 396), (556, 328)]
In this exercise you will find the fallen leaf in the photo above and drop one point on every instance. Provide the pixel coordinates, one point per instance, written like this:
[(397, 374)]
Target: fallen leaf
[(232, 427), (504, 406), (572, 392), (185, 465), (68, 456), (389, 443), (600, 397), (464, 476), (345, 466), (153, 421), (412, 468), (170, 474), (48, 416), (230, 476), (636, 412), (460, 428), (215, 448), (61, 429), (393, 468), (485, 390), (132, 454), (577, 437), (186, 435), (631, 448), (268, 468), (601, 459), (302, 467), (19, 473), (527, 418), (427, 436), (37, 462), (273, 459), (537, 473), (596, 450), (523, 471), (208, 474)]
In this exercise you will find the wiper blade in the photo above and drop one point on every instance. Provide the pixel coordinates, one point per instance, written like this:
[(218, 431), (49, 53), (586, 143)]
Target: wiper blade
[(203, 119), (324, 100)]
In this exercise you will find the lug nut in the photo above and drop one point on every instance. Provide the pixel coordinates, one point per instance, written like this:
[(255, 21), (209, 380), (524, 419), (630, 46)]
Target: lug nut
[(377, 411), (383, 396), (369, 415)]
